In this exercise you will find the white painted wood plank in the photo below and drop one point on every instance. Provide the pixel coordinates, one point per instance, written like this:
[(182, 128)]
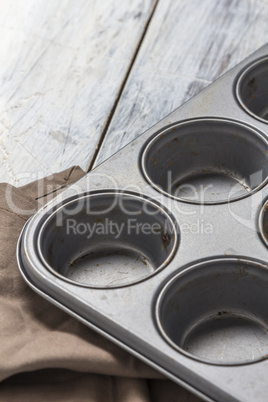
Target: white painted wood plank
[(188, 45), (62, 65)]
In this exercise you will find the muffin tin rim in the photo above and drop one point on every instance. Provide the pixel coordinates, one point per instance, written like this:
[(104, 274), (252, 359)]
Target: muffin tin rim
[(238, 82), (260, 222), (195, 265), (163, 210), (166, 129)]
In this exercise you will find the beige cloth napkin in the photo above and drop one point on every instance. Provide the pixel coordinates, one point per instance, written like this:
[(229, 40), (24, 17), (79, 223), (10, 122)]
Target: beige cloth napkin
[(44, 353)]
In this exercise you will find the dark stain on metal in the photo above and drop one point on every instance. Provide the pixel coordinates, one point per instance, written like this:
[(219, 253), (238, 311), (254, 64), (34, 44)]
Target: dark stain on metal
[(166, 238)]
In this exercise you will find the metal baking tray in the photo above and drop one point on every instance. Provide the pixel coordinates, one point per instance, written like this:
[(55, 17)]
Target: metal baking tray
[(163, 247)]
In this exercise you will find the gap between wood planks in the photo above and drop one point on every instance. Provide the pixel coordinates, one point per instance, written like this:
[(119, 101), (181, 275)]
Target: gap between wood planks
[(122, 87)]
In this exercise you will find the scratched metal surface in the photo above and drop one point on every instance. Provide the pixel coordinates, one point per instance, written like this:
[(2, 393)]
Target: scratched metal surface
[(130, 314)]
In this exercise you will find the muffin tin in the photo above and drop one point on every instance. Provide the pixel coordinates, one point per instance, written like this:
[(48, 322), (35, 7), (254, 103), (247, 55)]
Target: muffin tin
[(163, 247)]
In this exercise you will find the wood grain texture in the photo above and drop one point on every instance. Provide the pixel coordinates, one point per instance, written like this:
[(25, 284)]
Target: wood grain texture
[(188, 45), (62, 66)]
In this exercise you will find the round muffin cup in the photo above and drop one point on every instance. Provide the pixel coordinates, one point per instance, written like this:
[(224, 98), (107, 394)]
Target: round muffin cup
[(107, 240), (217, 311), (263, 223), (252, 90), (206, 161)]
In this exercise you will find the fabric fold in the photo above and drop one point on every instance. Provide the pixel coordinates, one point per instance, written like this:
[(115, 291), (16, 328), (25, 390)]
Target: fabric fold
[(46, 354)]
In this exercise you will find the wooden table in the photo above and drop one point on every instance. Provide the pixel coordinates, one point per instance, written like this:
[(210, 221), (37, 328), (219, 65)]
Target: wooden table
[(80, 79)]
